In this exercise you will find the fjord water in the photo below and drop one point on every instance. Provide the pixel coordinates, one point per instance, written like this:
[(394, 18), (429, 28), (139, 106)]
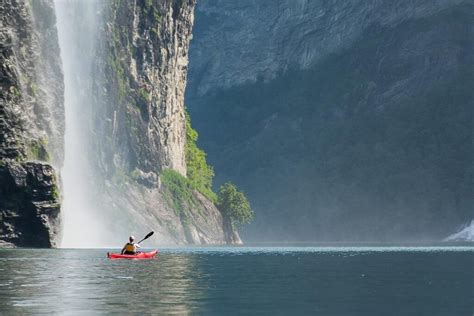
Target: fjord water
[(248, 280)]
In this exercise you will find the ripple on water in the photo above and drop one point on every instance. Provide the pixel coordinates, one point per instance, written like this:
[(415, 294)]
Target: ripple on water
[(226, 280)]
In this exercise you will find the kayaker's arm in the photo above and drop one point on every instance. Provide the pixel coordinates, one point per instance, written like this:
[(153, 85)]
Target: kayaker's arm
[(123, 250)]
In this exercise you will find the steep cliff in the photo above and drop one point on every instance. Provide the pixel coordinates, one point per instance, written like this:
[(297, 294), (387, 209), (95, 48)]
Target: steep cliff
[(31, 124), (340, 120), (132, 120), (125, 65), (145, 75)]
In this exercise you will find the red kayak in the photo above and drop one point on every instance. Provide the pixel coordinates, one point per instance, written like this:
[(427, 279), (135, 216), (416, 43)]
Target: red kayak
[(140, 255)]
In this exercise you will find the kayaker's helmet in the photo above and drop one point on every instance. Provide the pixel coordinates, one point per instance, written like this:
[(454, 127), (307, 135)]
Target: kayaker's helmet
[(131, 238)]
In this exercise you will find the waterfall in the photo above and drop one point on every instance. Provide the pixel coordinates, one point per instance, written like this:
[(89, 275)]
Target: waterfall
[(464, 234), (77, 24)]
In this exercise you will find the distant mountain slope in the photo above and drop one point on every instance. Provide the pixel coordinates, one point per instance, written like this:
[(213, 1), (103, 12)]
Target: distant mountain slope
[(340, 120)]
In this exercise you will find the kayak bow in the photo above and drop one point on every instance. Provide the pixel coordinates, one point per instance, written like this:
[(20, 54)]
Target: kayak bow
[(140, 255)]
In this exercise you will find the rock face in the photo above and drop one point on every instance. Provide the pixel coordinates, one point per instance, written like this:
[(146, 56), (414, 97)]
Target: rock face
[(31, 123), (339, 120), (134, 123), (146, 57), (259, 39), (29, 204), (129, 112)]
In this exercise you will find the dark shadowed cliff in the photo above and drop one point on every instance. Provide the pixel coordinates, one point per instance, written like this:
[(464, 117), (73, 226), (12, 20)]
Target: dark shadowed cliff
[(31, 124), (340, 120)]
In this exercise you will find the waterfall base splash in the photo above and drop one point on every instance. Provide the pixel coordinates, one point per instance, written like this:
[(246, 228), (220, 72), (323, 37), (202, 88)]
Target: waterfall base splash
[(465, 234)]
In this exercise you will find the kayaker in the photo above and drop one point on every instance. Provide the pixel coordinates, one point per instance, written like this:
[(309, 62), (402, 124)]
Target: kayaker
[(131, 247)]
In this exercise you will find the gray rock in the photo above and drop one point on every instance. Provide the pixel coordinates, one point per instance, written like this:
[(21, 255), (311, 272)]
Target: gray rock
[(31, 123), (29, 205), (238, 42)]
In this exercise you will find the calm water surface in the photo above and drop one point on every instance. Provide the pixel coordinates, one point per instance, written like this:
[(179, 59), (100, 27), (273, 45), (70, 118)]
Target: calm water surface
[(255, 280)]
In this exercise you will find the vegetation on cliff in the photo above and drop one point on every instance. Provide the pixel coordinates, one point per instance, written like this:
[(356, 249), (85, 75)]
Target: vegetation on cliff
[(199, 173), (233, 204), (179, 188)]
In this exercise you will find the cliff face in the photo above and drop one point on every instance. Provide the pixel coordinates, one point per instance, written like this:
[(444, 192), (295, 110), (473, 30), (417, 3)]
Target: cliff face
[(340, 120), (125, 65), (259, 39), (146, 57), (136, 124), (31, 124)]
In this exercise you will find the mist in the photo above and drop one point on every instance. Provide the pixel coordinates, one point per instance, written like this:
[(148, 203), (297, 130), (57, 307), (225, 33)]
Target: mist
[(78, 25)]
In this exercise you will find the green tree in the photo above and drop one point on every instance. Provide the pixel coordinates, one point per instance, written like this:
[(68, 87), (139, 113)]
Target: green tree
[(199, 173), (233, 204)]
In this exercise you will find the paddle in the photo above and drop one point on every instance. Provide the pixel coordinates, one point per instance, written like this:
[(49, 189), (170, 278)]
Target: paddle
[(146, 237)]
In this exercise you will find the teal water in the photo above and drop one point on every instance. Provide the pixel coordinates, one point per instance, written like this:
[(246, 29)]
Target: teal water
[(240, 280)]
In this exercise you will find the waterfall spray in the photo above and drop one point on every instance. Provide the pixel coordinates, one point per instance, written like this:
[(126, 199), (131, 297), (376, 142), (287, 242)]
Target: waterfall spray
[(466, 233), (77, 23)]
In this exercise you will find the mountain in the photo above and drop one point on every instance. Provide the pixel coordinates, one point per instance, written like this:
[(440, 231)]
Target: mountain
[(93, 126), (341, 121)]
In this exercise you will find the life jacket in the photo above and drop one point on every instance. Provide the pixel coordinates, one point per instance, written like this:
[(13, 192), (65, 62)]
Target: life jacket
[(130, 248)]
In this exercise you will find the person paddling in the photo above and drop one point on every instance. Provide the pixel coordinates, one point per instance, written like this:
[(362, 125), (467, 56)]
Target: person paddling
[(131, 247)]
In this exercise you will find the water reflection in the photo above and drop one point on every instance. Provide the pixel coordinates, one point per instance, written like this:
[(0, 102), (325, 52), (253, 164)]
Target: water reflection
[(73, 280), (227, 281)]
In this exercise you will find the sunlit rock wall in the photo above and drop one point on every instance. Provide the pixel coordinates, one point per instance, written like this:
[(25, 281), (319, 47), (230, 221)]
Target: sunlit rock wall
[(138, 123)]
